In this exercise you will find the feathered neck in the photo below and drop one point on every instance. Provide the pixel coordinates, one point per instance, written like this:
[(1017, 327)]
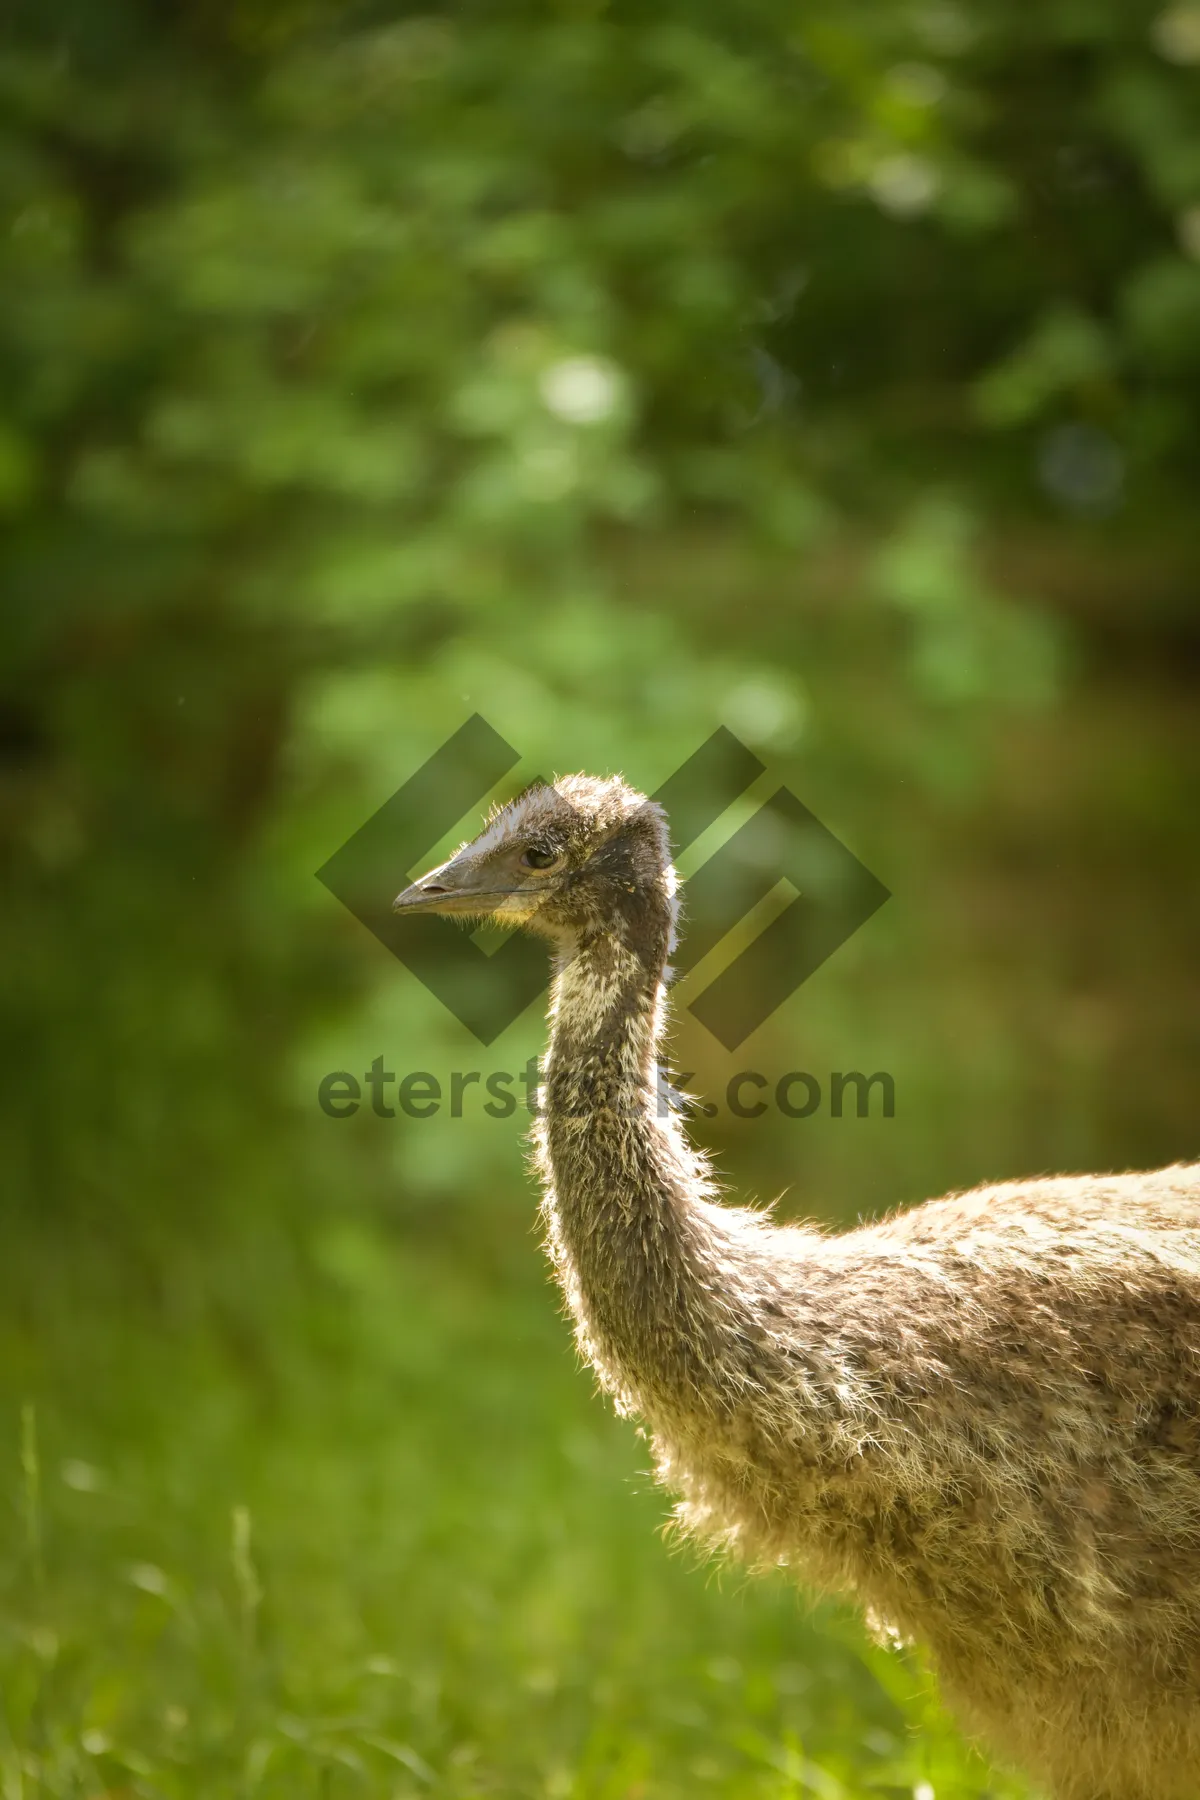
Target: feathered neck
[(661, 1281)]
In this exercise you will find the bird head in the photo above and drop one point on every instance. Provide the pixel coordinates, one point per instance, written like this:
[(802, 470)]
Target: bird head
[(565, 859)]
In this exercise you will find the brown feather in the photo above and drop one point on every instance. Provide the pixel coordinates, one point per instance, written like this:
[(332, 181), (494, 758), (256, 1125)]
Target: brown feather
[(980, 1418)]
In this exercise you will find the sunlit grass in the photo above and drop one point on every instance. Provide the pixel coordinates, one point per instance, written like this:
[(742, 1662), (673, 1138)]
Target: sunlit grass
[(379, 1538)]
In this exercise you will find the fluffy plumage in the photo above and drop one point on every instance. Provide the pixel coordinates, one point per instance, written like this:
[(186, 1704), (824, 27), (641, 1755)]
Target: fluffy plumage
[(980, 1418)]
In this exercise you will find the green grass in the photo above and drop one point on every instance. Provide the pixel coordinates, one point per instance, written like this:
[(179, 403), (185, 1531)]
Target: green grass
[(370, 1532)]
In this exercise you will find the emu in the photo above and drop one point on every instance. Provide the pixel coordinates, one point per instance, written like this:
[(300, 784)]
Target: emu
[(980, 1418)]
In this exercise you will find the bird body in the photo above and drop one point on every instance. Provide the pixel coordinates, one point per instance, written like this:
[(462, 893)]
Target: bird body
[(980, 1418)]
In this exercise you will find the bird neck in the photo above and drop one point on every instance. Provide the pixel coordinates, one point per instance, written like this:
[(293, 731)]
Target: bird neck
[(657, 1281)]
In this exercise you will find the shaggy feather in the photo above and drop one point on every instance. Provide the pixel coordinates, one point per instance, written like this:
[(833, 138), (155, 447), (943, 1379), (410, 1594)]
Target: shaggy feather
[(980, 1418)]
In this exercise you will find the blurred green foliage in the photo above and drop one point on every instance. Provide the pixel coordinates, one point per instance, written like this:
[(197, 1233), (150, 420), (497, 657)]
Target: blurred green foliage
[(831, 372), (343, 350)]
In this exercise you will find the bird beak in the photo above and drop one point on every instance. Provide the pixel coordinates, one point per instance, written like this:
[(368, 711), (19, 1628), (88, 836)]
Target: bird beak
[(443, 889), (458, 886)]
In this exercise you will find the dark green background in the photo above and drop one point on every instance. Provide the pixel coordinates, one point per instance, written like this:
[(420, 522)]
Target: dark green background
[(829, 372)]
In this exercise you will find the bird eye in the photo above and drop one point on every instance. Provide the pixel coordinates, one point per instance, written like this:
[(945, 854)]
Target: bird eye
[(540, 859)]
